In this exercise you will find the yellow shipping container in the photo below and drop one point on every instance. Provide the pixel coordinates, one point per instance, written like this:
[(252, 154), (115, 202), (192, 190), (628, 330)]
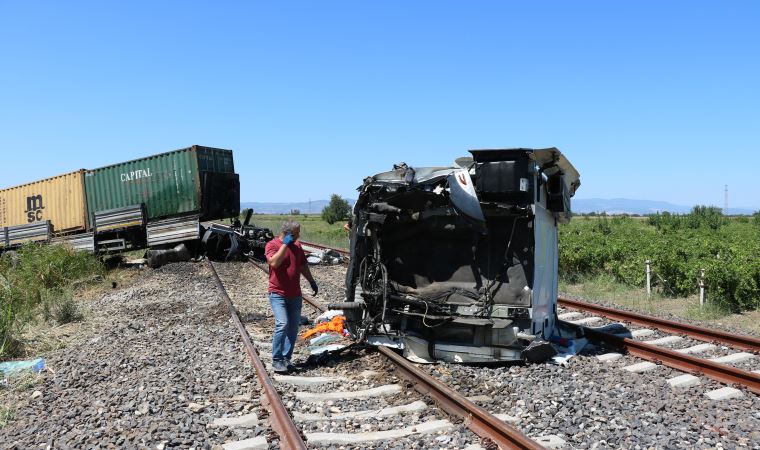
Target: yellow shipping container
[(60, 200)]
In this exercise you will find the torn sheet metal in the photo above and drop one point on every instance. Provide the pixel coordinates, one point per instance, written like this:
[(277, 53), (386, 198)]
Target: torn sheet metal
[(463, 195), (571, 348)]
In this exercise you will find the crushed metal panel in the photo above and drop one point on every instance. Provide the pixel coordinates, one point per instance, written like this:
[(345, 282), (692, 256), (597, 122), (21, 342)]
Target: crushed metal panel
[(35, 232), (463, 194), (176, 229), (119, 218), (570, 174), (544, 292)]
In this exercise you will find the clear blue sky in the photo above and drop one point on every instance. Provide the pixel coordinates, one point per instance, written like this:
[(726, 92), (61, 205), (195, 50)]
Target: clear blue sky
[(650, 100)]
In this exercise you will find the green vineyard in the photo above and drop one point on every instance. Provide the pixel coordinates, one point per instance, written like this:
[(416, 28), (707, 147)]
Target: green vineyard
[(677, 246)]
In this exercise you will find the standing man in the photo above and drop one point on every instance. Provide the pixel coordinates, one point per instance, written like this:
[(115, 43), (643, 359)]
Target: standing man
[(287, 262)]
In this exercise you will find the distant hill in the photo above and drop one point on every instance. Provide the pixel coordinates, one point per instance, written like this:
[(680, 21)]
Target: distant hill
[(284, 208), (580, 206), (631, 206)]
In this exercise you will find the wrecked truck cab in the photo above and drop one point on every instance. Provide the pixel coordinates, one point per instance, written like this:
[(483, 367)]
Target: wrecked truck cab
[(460, 263)]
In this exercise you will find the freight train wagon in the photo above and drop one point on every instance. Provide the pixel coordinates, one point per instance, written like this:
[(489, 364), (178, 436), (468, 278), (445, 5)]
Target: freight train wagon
[(157, 200)]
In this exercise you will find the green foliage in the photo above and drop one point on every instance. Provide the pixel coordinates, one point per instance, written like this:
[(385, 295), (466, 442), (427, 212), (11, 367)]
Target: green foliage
[(337, 210), (677, 246), (6, 415), (756, 218), (313, 229), (35, 282), (699, 217)]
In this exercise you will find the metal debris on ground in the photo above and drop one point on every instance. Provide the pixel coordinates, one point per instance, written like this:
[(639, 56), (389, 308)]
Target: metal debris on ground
[(158, 258), (327, 256)]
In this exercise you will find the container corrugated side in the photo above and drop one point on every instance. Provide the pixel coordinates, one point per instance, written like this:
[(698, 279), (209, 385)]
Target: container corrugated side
[(167, 184), (60, 199)]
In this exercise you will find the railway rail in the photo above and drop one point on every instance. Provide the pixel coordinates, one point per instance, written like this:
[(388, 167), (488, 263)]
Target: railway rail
[(475, 418)]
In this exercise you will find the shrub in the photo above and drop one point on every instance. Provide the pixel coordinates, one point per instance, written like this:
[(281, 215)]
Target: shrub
[(35, 282), (338, 209)]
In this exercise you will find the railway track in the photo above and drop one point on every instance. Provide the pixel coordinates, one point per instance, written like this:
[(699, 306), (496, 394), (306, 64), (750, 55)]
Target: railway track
[(700, 333), (672, 344), (655, 351), (491, 430)]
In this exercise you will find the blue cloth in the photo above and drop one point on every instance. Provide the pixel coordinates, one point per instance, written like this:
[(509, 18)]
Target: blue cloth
[(287, 318)]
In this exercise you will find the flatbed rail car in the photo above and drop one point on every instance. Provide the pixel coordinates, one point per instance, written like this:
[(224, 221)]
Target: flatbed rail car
[(155, 201), (460, 263)]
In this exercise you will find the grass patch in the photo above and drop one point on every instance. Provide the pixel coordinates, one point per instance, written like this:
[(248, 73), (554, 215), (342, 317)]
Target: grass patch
[(36, 283), (708, 312), (313, 228), (604, 287), (6, 415)]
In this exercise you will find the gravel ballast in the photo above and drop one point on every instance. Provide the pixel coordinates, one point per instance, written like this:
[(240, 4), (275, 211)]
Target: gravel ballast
[(163, 363)]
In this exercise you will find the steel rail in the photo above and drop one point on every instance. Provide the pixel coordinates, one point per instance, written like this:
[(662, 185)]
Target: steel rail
[(681, 361), (280, 420), (476, 419), (700, 333)]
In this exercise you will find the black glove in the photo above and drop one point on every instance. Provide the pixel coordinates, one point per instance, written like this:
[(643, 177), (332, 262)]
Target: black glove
[(314, 287)]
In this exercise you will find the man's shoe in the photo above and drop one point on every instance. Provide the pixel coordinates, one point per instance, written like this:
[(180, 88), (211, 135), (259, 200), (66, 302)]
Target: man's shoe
[(279, 366)]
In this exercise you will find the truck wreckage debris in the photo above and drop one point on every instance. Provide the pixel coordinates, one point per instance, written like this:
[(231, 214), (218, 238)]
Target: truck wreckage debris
[(238, 241), (460, 263)]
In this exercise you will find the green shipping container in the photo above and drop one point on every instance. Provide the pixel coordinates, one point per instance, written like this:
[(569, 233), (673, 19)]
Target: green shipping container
[(190, 180)]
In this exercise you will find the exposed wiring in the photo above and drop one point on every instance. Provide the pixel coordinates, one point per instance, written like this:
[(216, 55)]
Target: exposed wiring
[(488, 296)]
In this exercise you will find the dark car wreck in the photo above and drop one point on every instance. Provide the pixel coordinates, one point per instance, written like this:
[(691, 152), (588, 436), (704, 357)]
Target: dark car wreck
[(460, 263)]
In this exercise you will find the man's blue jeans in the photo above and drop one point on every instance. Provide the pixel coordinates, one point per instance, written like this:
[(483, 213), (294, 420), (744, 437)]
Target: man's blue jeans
[(287, 318)]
